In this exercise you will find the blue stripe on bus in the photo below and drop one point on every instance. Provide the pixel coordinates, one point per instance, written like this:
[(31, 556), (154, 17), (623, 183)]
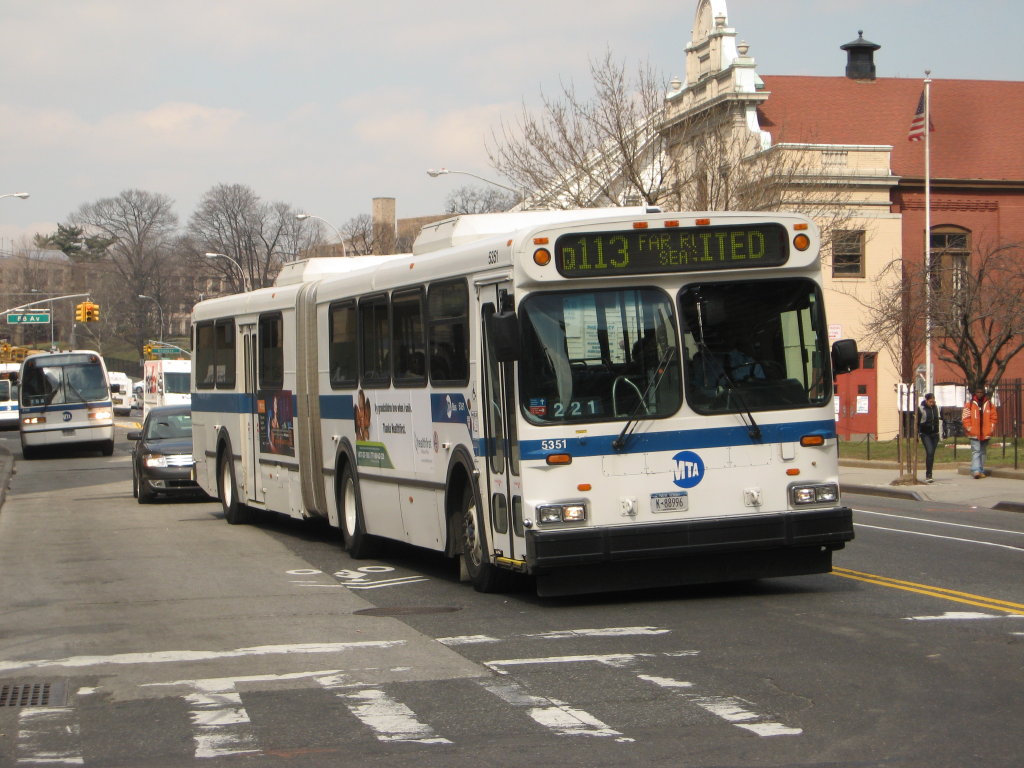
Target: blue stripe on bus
[(337, 407), (222, 402), (27, 409), (678, 440)]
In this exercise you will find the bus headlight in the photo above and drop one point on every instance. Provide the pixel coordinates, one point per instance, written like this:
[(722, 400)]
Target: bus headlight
[(814, 494), (100, 413), (34, 420), (562, 513)]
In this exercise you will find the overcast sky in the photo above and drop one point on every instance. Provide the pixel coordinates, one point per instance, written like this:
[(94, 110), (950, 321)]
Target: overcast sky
[(325, 104)]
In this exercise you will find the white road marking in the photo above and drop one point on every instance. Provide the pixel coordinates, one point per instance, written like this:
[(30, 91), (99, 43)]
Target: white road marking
[(610, 659), (561, 634), (48, 736), (728, 708), (385, 582), (467, 640), (939, 522), (937, 536), (162, 657), (557, 716), (961, 616), (389, 720), (220, 723)]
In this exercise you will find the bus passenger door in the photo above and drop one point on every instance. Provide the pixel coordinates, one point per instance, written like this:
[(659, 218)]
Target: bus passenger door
[(251, 419), (502, 492)]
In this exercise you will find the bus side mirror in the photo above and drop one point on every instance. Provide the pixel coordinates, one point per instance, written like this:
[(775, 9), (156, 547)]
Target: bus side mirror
[(115, 388), (504, 336), (845, 357)]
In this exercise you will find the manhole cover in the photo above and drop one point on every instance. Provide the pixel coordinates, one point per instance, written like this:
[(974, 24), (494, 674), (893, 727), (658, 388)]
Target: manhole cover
[(33, 694), (407, 610)]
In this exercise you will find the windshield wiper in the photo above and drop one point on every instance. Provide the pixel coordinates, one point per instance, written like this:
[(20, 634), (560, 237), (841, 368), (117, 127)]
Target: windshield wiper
[(620, 442), (752, 428)]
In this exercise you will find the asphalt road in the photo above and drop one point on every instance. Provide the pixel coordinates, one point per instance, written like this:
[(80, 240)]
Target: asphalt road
[(168, 638)]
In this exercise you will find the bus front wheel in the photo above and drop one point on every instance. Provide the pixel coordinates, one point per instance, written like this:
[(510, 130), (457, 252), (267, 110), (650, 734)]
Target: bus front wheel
[(234, 512), (484, 576)]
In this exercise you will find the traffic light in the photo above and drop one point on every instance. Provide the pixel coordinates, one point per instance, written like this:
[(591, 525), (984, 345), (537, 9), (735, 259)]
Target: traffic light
[(92, 313), (147, 350), (81, 314), (5, 352)]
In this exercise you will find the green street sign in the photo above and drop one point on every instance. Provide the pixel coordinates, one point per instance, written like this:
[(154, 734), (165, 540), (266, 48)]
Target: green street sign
[(18, 318)]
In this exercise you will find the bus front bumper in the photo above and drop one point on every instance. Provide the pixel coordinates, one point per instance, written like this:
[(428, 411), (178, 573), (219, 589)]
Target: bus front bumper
[(700, 551)]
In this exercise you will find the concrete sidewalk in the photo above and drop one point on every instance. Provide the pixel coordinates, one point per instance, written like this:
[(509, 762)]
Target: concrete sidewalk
[(1002, 490)]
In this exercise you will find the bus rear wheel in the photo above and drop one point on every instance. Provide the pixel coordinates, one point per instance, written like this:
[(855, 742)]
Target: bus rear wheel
[(234, 512), (484, 576), (357, 542)]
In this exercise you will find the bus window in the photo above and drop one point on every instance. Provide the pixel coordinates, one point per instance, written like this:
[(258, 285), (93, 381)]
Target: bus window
[(597, 355), (408, 339), (448, 313), (225, 354), (374, 341), (205, 356), (343, 362), (271, 343), (754, 345)]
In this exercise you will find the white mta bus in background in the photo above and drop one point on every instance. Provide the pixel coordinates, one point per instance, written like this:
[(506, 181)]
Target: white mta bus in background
[(9, 394), (65, 401), (601, 399), (121, 395), (165, 382)]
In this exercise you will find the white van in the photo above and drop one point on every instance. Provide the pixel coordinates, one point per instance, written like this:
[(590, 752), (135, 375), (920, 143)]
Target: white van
[(166, 382), (122, 397)]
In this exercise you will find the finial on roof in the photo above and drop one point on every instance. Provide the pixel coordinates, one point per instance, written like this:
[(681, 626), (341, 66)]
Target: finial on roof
[(860, 58)]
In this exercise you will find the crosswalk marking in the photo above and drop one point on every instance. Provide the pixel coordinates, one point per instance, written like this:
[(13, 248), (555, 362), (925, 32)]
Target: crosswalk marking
[(220, 723), (557, 716), (389, 720), (48, 736)]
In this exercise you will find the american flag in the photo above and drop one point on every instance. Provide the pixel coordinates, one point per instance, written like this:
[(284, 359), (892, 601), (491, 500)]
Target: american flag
[(917, 131)]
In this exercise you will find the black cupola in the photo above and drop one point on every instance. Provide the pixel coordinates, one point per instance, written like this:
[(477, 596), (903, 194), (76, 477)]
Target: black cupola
[(860, 58)]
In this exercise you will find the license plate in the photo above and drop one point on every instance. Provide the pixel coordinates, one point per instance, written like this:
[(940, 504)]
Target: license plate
[(670, 502), (68, 432)]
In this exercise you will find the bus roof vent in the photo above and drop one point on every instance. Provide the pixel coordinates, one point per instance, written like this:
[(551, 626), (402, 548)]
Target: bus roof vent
[(467, 228), (307, 270)]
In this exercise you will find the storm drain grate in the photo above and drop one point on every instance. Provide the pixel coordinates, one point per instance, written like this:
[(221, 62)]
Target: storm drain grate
[(33, 695)]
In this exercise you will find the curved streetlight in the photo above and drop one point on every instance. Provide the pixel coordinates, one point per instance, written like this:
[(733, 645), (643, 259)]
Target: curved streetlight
[(445, 171), (337, 232), (22, 195), (144, 296), (245, 281)]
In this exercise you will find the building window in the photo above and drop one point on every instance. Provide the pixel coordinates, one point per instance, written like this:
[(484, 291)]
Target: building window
[(950, 250), (848, 253)]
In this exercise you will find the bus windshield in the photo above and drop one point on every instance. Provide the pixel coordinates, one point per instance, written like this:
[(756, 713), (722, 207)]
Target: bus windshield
[(595, 355), (68, 379), (751, 346)]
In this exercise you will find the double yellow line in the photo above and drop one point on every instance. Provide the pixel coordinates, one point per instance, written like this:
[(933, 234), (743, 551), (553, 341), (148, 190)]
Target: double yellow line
[(923, 589)]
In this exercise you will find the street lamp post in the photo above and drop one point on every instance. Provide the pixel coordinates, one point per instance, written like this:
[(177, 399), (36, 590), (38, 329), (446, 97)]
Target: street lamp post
[(445, 171), (245, 282), (144, 296), (337, 232)]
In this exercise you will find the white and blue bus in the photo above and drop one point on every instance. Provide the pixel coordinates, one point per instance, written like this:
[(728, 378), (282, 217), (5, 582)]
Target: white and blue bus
[(65, 401), (601, 399)]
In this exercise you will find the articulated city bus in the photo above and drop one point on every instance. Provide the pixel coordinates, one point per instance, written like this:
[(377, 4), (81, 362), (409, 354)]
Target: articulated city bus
[(65, 401), (599, 399)]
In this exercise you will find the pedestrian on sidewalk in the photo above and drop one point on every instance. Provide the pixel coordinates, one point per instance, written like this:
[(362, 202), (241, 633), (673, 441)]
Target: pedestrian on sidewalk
[(979, 419), (928, 429)]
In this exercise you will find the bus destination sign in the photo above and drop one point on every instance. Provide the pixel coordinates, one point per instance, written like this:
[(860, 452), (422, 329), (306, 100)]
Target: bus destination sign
[(654, 251)]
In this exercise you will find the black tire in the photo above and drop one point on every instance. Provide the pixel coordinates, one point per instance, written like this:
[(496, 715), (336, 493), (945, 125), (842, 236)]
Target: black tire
[(357, 542), (28, 452), (484, 576), (107, 447), (146, 492), (135, 480), (235, 512)]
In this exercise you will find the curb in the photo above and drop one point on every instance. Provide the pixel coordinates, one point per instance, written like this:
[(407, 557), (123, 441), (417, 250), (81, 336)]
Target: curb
[(6, 470), (875, 490)]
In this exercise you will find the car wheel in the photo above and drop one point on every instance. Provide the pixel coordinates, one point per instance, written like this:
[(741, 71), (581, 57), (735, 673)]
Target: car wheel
[(484, 576), (356, 541), (135, 481), (146, 492)]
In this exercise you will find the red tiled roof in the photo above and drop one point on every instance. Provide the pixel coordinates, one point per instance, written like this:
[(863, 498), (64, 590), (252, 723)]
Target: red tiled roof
[(977, 123)]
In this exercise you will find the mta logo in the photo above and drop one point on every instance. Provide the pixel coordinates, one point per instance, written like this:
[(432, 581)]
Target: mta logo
[(67, 415), (689, 469)]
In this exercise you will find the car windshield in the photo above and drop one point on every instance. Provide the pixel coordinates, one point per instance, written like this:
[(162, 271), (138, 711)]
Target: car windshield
[(169, 426), (598, 356), (754, 346)]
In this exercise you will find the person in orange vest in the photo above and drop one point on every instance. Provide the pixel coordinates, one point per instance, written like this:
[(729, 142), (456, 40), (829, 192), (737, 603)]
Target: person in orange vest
[(979, 419)]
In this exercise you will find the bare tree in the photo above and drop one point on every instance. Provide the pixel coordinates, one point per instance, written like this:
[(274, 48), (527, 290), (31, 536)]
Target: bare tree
[(140, 228), (580, 151), (479, 200), (260, 237)]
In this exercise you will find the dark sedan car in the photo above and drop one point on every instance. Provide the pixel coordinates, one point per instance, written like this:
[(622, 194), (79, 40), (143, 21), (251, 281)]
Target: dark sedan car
[(162, 460)]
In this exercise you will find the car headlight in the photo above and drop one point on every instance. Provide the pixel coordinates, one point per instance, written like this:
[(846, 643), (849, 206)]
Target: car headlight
[(827, 493), (562, 513), (154, 460)]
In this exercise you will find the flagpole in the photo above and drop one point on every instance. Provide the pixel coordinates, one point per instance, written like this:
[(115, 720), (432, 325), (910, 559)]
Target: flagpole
[(928, 373)]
